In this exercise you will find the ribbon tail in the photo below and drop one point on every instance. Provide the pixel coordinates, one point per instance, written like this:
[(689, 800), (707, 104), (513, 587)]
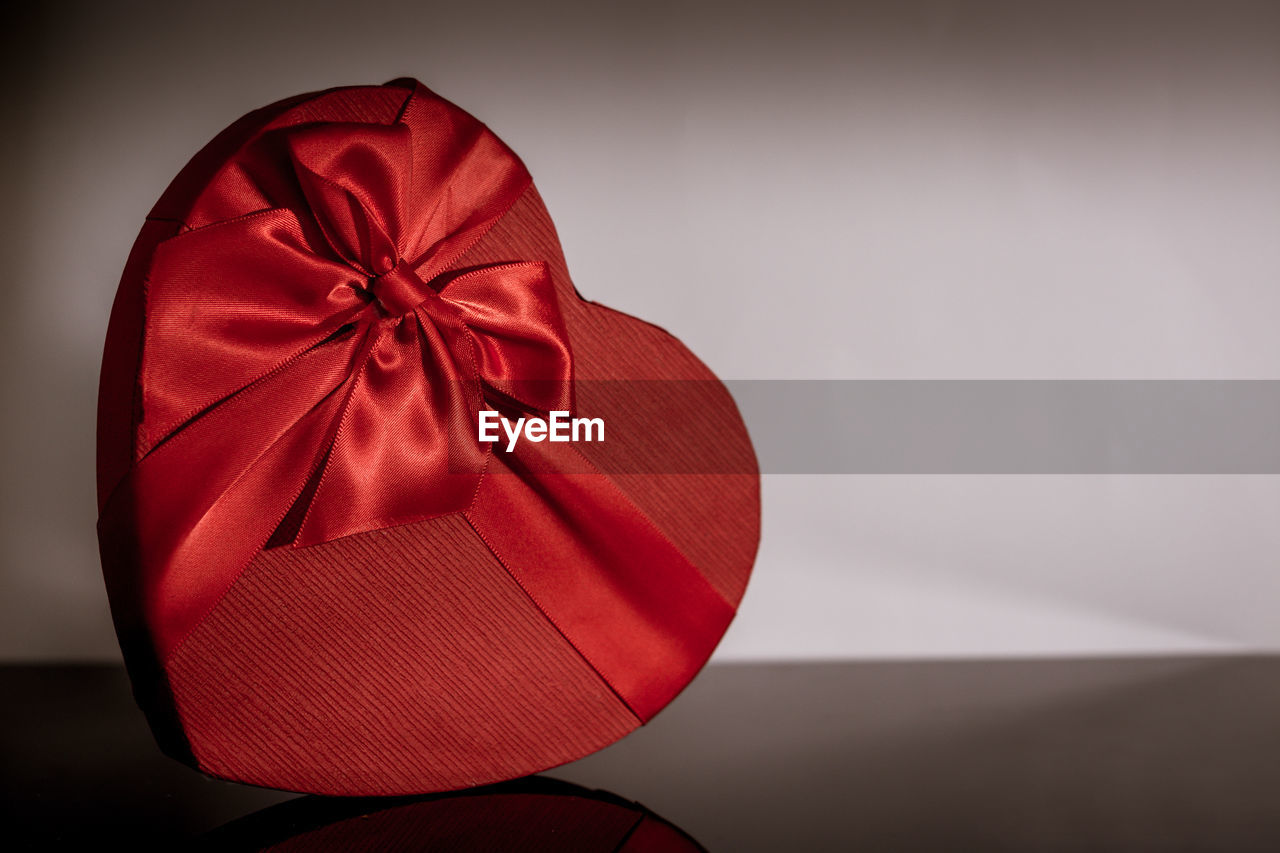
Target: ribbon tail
[(615, 587)]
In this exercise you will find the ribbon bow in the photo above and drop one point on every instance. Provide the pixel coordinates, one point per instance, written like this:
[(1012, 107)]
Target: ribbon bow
[(326, 346)]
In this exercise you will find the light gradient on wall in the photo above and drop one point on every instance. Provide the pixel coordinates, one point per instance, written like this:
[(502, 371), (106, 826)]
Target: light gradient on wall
[(889, 190)]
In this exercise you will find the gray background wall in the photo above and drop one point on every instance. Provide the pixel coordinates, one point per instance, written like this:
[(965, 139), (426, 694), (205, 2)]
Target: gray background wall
[(888, 190)]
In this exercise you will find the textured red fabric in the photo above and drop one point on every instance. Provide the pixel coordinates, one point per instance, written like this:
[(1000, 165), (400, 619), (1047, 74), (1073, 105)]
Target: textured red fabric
[(388, 662), (298, 513)]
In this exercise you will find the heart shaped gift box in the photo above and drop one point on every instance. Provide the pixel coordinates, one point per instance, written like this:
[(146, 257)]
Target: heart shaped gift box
[(321, 578)]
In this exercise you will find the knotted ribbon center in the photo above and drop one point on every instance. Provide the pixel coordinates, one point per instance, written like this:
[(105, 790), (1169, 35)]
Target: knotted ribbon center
[(399, 290)]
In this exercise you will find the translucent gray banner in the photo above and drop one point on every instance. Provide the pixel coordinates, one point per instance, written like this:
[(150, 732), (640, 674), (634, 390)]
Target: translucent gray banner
[(1013, 426), (907, 427)]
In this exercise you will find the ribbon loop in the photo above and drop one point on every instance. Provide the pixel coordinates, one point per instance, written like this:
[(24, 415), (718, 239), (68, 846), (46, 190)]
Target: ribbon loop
[(353, 178)]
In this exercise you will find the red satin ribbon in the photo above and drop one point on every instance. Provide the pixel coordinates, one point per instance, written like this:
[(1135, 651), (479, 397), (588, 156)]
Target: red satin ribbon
[(311, 374)]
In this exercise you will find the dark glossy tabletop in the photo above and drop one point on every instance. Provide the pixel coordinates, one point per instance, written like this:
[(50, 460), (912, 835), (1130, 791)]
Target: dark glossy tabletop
[(1158, 754)]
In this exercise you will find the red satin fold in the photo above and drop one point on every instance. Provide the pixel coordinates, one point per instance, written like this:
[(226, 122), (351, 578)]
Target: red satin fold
[(616, 587), (315, 371)]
